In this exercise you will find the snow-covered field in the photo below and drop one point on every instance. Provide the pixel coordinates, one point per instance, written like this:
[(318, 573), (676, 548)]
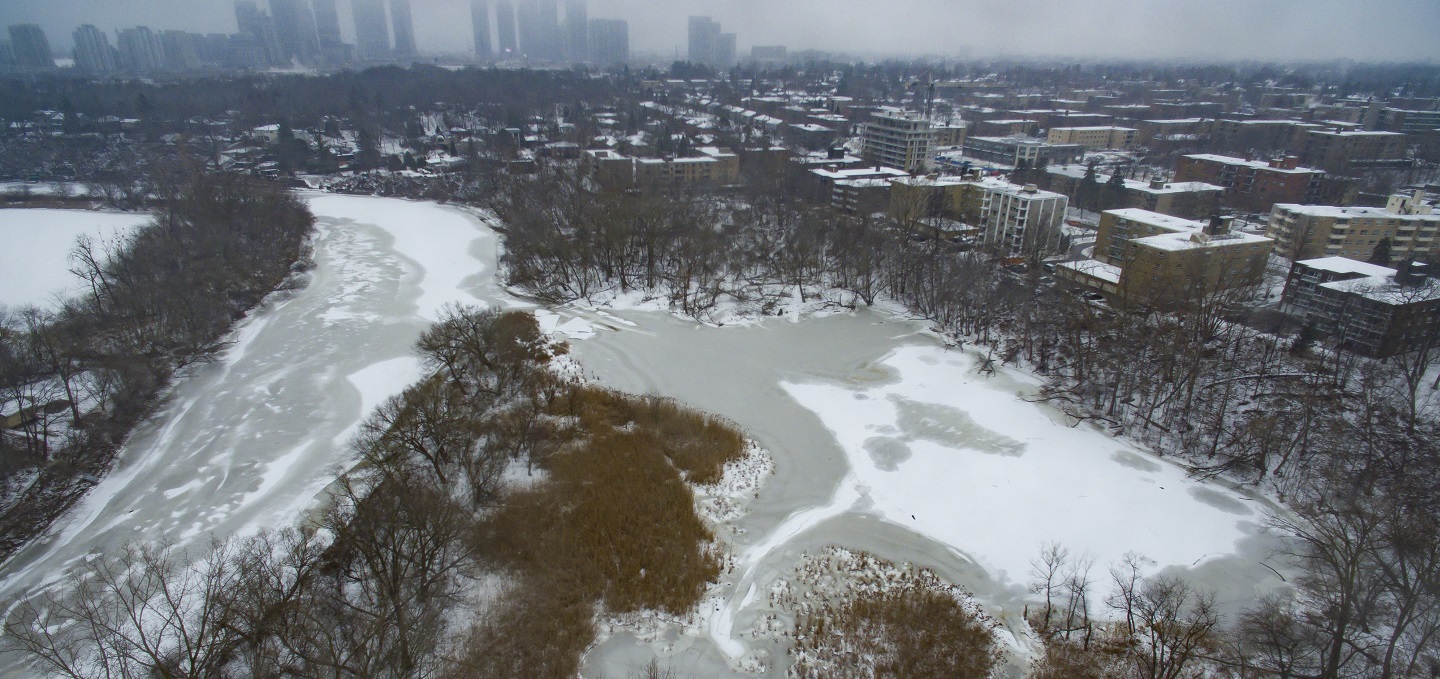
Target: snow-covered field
[(35, 259)]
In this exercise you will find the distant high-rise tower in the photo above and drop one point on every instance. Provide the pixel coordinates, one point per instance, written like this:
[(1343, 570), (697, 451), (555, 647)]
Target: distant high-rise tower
[(480, 24), (93, 53), (258, 30), (577, 31), (372, 31), (295, 27), (505, 27), (327, 23), (704, 40), (540, 29), (30, 48), (140, 49), (609, 41), (180, 50), (404, 29), (725, 51)]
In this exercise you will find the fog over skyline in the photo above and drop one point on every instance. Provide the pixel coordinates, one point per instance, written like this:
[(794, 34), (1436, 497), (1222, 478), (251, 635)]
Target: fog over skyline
[(1218, 30)]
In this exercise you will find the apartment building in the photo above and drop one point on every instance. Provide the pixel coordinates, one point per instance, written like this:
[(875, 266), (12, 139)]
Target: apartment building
[(898, 139), (1408, 121), (1309, 231), (1021, 221), (1012, 151), (932, 200), (1335, 149), (1147, 131), (1373, 310), (1261, 136), (1253, 185), (1148, 258), (611, 170), (1188, 200), (1101, 137)]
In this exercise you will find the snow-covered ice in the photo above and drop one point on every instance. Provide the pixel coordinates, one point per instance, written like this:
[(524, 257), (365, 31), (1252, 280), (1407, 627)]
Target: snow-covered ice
[(250, 441), (35, 261), (965, 460)]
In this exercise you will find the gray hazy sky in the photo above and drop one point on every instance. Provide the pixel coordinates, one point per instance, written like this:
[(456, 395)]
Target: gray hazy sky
[(1364, 30)]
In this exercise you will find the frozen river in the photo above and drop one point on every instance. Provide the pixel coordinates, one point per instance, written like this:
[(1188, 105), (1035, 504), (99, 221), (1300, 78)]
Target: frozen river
[(250, 440), (883, 438)]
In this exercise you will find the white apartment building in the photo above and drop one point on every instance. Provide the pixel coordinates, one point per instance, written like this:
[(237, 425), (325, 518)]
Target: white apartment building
[(1022, 221)]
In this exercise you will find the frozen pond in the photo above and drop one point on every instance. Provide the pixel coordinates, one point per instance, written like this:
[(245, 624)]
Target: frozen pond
[(35, 258), (883, 438), (886, 440)]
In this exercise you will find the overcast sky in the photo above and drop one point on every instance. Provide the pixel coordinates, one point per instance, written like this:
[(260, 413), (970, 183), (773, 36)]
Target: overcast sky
[(1364, 30)]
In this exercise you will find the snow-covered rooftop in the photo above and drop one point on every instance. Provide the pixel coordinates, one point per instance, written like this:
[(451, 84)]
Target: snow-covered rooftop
[(1351, 212), (1078, 172), (1347, 265), (1257, 164), (1095, 269), (1385, 290)]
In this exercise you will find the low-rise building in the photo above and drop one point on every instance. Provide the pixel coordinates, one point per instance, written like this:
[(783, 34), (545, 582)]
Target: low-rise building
[(1371, 309), (1251, 184), (822, 185), (1147, 258), (926, 201), (1013, 151), (1309, 231), (1189, 200), (1332, 149), (610, 169), (1101, 137), (1005, 127)]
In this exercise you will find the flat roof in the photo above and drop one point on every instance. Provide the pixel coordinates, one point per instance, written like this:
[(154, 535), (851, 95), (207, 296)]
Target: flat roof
[(1094, 268), (1020, 191), (1191, 240), (1078, 172), (1257, 164), (1357, 133), (1347, 265), (1339, 212), (1385, 290), (1094, 127), (1163, 221)]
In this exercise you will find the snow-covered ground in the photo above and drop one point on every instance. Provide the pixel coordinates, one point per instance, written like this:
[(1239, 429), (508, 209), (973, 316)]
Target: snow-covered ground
[(35, 259)]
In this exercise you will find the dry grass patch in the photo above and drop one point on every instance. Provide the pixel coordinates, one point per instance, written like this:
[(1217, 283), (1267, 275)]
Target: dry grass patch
[(857, 615), (613, 522), (698, 444)]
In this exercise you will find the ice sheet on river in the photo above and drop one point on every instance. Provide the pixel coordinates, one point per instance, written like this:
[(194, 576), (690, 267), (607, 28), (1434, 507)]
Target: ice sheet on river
[(248, 441)]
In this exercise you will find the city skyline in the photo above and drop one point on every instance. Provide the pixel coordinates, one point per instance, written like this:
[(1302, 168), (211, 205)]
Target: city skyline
[(1106, 29)]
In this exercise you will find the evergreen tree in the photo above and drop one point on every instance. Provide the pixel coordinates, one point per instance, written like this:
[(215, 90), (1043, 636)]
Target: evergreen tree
[(1381, 254), (1113, 194), (1088, 193)]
